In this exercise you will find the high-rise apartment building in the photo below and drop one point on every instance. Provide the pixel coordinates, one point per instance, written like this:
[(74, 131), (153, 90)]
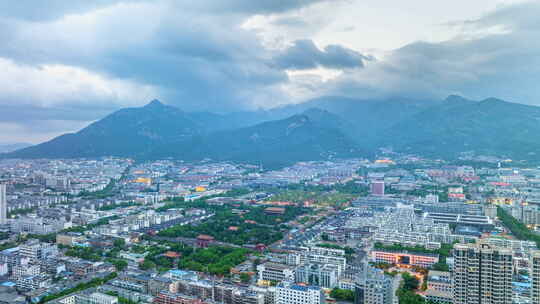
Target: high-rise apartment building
[(373, 287), (482, 274), (535, 274), (3, 205)]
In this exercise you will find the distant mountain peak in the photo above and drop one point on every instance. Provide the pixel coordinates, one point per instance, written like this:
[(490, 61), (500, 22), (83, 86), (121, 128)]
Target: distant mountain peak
[(154, 104), (456, 99)]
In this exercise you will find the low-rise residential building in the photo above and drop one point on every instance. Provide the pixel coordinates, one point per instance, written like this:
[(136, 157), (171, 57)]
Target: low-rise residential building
[(439, 297), (275, 272), (440, 281), (323, 275), (404, 258), (288, 293)]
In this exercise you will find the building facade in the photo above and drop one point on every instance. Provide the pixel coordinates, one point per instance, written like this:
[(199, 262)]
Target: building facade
[(404, 258), (275, 272), (288, 293), (3, 205), (482, 274), (323, 275), (95, 298), (373, 287), (535, 273)]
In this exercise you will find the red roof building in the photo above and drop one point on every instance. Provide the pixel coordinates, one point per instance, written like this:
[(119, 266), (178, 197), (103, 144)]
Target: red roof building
[(172, 254), (203, 240)]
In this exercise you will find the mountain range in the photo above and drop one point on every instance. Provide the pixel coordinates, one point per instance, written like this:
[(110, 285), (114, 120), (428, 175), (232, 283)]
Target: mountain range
[(319, 129)]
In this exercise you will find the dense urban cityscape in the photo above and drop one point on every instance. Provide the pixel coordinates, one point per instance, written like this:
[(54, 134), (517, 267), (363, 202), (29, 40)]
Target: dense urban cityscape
[(399, 229), (269, 152)]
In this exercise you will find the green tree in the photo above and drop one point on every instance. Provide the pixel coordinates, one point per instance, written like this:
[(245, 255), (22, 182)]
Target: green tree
[(119, 264), (410, 282), (119, 243), (342, 294), (245, 278), (147, 265)]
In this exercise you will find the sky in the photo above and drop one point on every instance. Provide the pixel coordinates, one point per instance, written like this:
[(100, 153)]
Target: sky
[(67, 63)]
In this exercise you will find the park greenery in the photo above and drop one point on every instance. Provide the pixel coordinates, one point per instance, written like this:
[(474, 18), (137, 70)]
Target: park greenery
[(156, 260), (406, 292), (342, 294), (444, 250), (518, 229), (246, 224), (216, 260)]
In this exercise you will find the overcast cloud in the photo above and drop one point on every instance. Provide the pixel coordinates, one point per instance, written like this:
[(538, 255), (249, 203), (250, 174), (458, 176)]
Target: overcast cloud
[(67, 63)]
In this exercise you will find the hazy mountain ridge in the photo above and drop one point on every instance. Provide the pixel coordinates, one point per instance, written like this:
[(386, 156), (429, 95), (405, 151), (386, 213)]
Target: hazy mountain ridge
[(307, 136), (491, 126), (126, 132), (159, 131), (319, 129)]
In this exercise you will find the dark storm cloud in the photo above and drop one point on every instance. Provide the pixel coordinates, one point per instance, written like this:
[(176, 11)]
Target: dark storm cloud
[(199, 61), (79, 60), (304, 54)]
